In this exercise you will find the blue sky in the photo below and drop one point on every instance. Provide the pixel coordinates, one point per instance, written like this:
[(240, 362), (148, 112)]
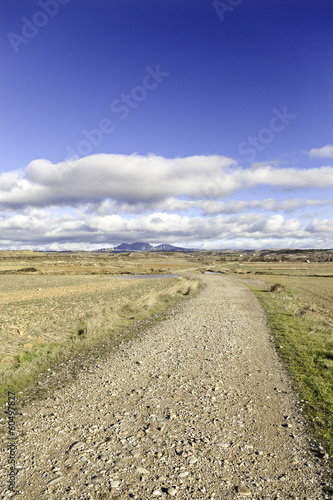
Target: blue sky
[(191, 122)]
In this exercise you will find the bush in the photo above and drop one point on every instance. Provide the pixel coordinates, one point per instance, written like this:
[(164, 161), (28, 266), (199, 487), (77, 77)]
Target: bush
[(277, 287)]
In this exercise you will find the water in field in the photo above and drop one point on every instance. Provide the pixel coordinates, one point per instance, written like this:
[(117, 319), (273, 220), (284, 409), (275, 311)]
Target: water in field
[(147, 276)]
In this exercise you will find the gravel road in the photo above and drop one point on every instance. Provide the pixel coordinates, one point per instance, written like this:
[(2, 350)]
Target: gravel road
[(199, 407)]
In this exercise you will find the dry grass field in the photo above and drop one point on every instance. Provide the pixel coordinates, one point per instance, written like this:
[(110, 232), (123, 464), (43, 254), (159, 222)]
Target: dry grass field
[(83, 263), (54, 305)]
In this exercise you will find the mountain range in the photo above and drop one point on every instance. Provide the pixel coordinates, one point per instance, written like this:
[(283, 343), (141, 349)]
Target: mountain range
[(146, 247)]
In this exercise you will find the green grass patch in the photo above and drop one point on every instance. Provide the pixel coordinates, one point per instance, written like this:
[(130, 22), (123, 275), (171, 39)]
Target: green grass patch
[(304, 341)]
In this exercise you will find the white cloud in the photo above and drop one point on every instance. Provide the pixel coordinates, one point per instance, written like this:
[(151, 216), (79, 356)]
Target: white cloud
[(212, 207), (289, 177), (204, 207), (291, 204), (324, 152), (102, 200), (128, 179), (321, 226), (151, 179), (38, 228)]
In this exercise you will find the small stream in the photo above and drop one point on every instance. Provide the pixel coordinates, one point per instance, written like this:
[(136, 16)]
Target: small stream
[(145, 276), (211, 272)]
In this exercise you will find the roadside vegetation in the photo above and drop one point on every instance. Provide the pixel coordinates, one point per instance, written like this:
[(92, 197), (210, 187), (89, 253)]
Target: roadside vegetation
[(299, 306)]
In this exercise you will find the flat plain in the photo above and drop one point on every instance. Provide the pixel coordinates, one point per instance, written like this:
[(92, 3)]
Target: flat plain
[(62, 312), (54, 305)]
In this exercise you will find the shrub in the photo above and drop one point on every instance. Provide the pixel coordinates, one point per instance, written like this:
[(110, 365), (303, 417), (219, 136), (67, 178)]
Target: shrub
[(277, 287)]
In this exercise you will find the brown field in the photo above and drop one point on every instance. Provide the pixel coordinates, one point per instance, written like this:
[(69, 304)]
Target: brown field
[(92, 263), (53, 303), (44, 296)]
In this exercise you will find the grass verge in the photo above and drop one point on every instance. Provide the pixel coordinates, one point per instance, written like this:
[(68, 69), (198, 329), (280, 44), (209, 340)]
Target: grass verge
[(304, 340)]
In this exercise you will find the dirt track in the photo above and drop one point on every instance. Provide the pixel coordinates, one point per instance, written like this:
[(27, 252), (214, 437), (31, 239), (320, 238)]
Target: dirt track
[(198, 408)]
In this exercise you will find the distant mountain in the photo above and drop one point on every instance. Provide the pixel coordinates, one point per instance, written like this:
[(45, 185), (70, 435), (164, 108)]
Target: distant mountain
[(134, 247), (145, 247), (171, 248)]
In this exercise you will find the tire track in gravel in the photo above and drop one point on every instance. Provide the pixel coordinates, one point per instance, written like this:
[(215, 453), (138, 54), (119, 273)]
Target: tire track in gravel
[(199, 407)]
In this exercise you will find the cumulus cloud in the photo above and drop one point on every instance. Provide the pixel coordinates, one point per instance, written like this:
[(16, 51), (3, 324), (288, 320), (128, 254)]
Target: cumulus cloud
[(129, 179), (219, 207), (102, 200), (149, 179), (204, 207), (289, 177), (324, 152), (35, 228), (320, 226)]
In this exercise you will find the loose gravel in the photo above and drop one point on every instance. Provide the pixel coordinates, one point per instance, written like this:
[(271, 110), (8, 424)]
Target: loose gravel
[(199, 407)]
